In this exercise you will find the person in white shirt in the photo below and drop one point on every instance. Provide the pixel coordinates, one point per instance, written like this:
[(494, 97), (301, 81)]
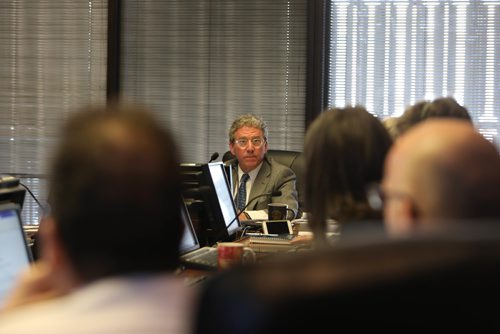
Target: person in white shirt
[(109, 246)]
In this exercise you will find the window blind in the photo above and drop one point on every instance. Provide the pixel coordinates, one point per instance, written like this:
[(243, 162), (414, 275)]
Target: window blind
[(387, 55), (200, 64), (53, 61)]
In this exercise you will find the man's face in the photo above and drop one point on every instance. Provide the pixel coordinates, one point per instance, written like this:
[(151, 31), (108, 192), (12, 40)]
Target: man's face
[(249, 155)]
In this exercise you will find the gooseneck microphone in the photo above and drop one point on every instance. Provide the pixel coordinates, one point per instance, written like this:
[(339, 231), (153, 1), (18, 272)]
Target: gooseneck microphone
[(214, 156), (272, 194)]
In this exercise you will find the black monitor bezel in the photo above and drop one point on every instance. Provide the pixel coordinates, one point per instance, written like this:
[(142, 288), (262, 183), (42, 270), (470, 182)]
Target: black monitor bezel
[(217, 229), (188, 228)]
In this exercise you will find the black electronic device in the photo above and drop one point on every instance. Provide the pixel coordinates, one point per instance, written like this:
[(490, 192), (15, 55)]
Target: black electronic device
[(219, 203), (11, 190), (191, 176), (8, 181), (192, 254), (279, 227)]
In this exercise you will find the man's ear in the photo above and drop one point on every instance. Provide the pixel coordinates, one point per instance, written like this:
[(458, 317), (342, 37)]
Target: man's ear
[(414, 213), (401, 217), (266, 147), (231, 148), (411, 214)]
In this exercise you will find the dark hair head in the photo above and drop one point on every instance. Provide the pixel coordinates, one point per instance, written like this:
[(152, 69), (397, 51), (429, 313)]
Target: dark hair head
[(444, 107), (115, 193), (344, 151)]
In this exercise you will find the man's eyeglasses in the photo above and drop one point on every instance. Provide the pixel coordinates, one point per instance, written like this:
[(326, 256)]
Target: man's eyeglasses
[(243, 142), (376, 196)]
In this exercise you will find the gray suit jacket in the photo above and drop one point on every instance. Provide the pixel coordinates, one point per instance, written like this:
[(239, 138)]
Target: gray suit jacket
[(272, 177)]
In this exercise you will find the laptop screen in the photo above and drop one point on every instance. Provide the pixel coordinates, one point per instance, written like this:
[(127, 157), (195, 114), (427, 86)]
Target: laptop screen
[(225, 199), (189, 241), (15, 256)]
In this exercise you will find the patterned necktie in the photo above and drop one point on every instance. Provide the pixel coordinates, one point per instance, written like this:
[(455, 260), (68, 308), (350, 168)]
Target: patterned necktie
[(241, 198)]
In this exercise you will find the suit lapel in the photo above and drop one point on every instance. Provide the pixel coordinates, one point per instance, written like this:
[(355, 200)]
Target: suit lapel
[(260, 184)]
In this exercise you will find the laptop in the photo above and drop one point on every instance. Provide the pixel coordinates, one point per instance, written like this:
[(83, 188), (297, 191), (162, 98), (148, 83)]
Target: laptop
[(224, 222), (191, 254), (15, 255)]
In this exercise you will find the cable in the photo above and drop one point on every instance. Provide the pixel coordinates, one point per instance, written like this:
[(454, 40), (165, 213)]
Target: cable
[(244, 231), (36, 200), (272, 194)]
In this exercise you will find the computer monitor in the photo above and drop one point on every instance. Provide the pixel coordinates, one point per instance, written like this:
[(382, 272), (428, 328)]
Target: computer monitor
[(11, 190), (15, 256), (191, 175), (223, 218)]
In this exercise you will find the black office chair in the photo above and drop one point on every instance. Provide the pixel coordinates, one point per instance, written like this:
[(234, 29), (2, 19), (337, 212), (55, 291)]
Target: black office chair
[(444, 283), (292, 159)]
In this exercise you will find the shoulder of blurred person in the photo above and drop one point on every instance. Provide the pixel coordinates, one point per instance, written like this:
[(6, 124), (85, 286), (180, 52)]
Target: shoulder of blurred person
[(142, 304), (114, 228)]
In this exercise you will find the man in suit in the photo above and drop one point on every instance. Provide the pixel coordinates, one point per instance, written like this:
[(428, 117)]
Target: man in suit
[(256, 174), (441, 171), (109, 247)]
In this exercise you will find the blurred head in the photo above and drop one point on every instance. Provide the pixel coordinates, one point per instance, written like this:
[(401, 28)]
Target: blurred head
[(440, 171), (248, 141), (344, 151), (443, 107), (115, 193)]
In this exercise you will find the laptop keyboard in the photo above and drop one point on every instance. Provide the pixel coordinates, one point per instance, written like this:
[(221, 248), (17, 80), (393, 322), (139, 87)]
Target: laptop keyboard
[(203, 258)]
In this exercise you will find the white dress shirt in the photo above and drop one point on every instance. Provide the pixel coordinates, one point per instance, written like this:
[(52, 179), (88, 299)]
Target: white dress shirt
[(253, 214), (141, 304)]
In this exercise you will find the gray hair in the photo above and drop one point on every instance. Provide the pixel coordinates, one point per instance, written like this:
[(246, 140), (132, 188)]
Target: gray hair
[(249, 120)]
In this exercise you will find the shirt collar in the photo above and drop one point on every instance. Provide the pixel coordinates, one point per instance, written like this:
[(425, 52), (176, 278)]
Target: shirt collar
[(252, 174)]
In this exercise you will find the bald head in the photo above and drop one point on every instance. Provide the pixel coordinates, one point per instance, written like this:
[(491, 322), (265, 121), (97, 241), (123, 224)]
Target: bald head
[(441, 170)]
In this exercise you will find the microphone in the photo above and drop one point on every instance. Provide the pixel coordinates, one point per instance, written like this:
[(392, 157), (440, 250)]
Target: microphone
[(272, 194), (214, 156)]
